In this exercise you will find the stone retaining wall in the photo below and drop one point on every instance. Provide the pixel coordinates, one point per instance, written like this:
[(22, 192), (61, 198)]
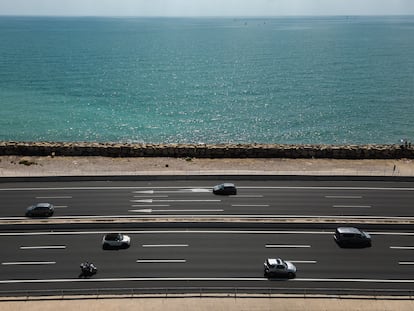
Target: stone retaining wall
[(208, 151)]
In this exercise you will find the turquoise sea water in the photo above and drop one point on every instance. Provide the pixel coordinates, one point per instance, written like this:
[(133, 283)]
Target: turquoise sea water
[(334, 80)]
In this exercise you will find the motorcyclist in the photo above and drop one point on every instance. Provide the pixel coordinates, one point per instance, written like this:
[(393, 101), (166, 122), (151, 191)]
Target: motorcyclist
[(88, 268)]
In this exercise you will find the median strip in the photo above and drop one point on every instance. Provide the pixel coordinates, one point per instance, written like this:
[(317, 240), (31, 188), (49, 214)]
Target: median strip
[(208, 218)]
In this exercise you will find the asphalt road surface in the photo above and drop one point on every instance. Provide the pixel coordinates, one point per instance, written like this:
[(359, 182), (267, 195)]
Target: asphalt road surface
[(194, 258), (293, 198), (187, 257)]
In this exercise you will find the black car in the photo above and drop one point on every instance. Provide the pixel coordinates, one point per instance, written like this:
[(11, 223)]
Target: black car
[(225, 189), (352, 237), (40, 210)]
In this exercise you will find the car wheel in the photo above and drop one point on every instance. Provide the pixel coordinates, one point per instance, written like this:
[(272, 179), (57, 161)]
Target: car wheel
[(291, 275), (105, 246)]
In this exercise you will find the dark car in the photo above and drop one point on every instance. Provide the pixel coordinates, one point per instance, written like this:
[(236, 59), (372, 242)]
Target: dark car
[(225, 189), (352, 237), (40, 210)]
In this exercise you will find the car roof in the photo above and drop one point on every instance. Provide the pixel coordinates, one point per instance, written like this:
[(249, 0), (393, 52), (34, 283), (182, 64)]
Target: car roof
[(227, 184), (348, 230)]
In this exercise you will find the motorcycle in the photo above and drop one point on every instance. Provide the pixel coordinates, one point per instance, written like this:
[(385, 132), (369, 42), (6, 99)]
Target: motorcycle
[(87, 269)]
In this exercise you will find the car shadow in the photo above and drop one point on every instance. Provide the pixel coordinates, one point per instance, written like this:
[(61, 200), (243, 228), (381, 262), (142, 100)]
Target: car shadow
[(114, 248), (353, 245)]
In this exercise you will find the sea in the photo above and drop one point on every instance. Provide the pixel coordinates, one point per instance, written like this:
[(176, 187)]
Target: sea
[(284, 80)]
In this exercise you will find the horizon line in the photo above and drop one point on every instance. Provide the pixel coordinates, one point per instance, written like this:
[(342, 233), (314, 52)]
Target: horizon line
[(209, 16)]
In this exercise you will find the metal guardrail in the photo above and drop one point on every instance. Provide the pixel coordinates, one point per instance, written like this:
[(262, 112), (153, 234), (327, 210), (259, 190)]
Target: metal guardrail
[(207, 292)]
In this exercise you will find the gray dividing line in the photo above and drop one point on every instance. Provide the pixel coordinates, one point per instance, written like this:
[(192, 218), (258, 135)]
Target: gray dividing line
[(55, 197), (44, 247), (346, 197)]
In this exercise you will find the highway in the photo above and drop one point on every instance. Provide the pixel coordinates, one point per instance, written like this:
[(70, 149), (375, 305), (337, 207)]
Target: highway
[(157, 258), (294, 198), (192, 257)]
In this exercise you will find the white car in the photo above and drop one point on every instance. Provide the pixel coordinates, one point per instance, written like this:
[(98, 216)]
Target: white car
[(279, 268), (115, 240)]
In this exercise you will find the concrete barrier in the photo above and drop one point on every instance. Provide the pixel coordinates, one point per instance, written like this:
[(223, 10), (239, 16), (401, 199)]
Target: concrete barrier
[(371, 151)]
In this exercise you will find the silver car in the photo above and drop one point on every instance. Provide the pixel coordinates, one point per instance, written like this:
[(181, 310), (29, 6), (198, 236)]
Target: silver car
[(115, 240), (276, 267)]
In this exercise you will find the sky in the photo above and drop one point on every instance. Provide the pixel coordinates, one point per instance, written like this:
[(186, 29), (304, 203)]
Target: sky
[(205, 7)]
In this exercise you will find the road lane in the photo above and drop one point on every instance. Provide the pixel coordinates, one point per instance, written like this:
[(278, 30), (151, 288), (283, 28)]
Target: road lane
[(210, 258), (260, 198), (222, 255)]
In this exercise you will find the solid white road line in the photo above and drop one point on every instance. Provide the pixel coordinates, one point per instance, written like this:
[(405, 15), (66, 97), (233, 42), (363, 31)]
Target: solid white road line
[(174, 191), (149, 210), (343, 196), (286, 246), (165, 245), (58, 197), (60, 206), (161, 261), (168, 232), (239, 279), (303, 261), (28, 263), (352, 206), (406, 263), (191, 232), (262, 216), (44, 247), (402, 247), (172, 187), (334, 188)]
